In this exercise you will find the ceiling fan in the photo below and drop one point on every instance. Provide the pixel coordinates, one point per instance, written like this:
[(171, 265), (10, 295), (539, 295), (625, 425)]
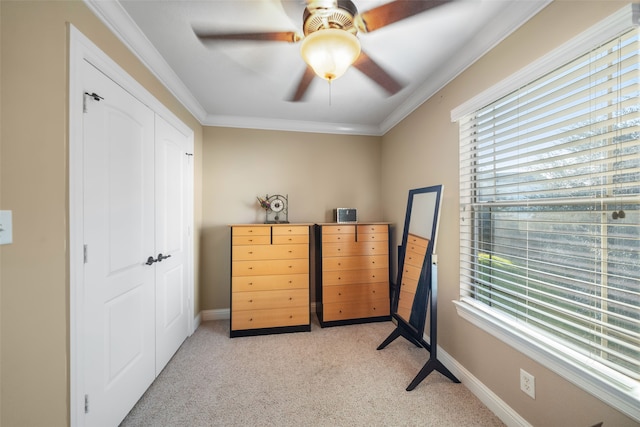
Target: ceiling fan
[(329, 42)]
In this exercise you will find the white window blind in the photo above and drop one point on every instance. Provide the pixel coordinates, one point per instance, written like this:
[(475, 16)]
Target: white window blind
[(550, 206)]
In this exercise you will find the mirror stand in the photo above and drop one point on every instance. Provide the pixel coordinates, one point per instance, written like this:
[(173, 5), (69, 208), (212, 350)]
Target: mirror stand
[(417, 285), (433, 364)]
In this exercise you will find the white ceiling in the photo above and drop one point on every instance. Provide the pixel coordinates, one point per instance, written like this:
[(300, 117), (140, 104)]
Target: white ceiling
[(246, 84)]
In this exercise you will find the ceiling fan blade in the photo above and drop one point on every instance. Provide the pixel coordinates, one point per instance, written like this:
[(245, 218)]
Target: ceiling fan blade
[(375, 72), (278, 36), (395, 11), (303, 85)]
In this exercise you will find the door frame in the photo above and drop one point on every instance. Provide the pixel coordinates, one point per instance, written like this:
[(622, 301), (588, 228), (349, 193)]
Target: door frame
[(82, 49)]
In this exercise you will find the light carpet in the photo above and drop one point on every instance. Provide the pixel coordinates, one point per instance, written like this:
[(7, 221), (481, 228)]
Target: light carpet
[(326, 377)]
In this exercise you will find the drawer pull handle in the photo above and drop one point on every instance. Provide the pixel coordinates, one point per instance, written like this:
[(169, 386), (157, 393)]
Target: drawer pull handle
[(339, 294), (250, 252), (290, 252), (290, 299), (250, 268), (290, 281), (250, 300), (250, 283), (291, 266)]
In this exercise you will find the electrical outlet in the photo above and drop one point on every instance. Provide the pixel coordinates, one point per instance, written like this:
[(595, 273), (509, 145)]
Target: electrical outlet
[(528, 383)]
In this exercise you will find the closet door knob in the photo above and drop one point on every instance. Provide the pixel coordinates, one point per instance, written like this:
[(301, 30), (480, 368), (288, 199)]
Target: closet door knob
[(161, 257), (150, 261)]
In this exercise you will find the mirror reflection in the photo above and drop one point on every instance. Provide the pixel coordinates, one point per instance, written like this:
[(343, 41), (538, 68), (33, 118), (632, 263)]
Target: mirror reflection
[(418, 243)]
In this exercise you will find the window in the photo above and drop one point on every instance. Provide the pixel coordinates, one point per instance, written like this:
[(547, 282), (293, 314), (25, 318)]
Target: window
[(550, 217)]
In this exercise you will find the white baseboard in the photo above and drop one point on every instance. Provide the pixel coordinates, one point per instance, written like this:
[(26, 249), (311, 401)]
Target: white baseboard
[(217, 314), (196, 322), (503, 411)]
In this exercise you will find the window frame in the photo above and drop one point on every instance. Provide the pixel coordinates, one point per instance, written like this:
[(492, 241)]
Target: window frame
[(606, 384)]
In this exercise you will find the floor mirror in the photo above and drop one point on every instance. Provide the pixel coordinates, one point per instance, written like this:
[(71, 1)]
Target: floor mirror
[(415, 293)]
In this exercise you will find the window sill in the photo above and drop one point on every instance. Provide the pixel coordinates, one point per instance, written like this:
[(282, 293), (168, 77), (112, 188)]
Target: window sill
[(598, 380)]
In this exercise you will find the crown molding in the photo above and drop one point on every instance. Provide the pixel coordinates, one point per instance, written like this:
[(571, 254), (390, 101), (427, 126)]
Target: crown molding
[(113, 15)]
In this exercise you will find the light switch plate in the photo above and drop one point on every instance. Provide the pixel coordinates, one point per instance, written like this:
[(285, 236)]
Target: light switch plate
[(6, 228)]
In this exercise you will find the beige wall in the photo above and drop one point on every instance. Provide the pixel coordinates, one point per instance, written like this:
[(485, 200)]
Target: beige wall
[(422, 151), (318, 172), (34, 273), (234, 166)]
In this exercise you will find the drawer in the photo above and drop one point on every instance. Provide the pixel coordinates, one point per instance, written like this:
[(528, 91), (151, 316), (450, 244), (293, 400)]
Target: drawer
[(288, 230), (408, 284), (405, 304), (267, 252), (415, 259), (354, 262), (262, 300), (257, 230), (256, 319), (338, 237), (266, 283), (355, 309), (291, 239), (276, 266), (339, 229), (354, 248), (373, 228), (417, 242), (355, 276), (411, 272), (358, 292), (251, 240), (373, 237)]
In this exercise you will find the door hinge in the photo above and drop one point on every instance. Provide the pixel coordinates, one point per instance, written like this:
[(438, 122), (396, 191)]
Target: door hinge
[(84, 253), (86, 403)]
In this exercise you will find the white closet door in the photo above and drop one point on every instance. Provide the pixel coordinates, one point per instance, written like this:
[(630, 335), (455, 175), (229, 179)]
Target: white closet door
[(172, 170), (119, 327)]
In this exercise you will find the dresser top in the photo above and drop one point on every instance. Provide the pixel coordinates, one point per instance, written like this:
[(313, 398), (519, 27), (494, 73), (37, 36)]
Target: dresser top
[(257, 224), (354, 223)]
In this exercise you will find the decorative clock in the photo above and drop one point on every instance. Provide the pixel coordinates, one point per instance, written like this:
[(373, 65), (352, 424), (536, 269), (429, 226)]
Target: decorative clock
[(276, 208)]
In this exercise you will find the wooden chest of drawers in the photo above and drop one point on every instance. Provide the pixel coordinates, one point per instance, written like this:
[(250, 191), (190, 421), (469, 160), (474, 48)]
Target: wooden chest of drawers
[(269, 279), (352, 273)]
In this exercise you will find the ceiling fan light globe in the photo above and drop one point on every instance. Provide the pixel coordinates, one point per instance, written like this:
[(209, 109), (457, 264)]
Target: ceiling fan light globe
[(330, 52)]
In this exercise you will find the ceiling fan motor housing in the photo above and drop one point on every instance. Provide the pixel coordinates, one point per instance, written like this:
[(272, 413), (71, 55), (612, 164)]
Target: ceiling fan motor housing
[(319, 17)]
